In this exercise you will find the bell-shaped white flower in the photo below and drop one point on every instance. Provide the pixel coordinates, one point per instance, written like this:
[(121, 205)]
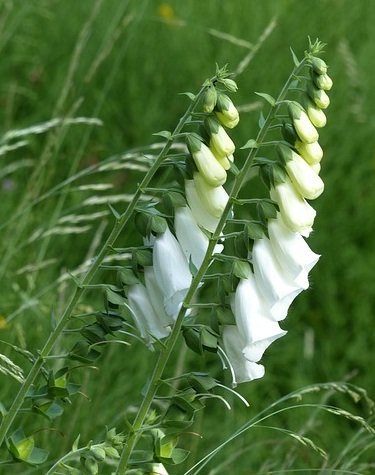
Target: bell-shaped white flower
[(277, 288), (192, 239), (307, 182), (213, 198), (312, 153), (302, 124), (210, 169), (254, 320), (226, 112), (147, 320), (242, 369), (292, 252), (201, 215), (316, 167), (156, 295), (319, 96), (172, 271), (158, 469), (297, 214)]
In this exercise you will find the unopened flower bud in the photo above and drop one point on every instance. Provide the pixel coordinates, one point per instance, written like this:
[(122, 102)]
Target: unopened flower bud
[(311, 152), (319, 96), (208, 166), (214, 198), (225, 162), (316, 115), (229, 84), (226, 112), (316, 167), (319, 66), (306, 181), (323, 81), (220, 142), (209, 99), (302, 124)]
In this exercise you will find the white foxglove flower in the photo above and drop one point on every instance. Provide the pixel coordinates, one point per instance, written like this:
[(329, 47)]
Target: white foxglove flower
[(319, 96), (210, 169), (297, 214), (242, 369), (146, 319), (193, 241), (201, 215), (254, 321), (319, 65), (226, 112), (220, 142), (323, 81), (172, 271), (292, 252), (312, 153), (213, 198), (278, 289), (316, 167), (302, 124), (307, 182), (157, 469), (156, 295)]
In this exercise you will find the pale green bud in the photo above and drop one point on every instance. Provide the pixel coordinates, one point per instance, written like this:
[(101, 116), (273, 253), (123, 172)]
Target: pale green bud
[(319, 96), (98, 453), (213, 198), (210, 98), (306, 181), (226, 112), (225, 161), (302, 124), (319, 66), (210, 169), (316, 115), (229, 84), (323, 81), (220, 142), (312, 153)]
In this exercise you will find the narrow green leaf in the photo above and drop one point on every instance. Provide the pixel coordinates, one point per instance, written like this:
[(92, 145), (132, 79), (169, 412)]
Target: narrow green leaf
[(115, 213), (250, 144), (271, 100), (115, 298), (295, 59), (255, 230), (190, 95), (164, 133), (158, 224), (261, 120), (241, 269)]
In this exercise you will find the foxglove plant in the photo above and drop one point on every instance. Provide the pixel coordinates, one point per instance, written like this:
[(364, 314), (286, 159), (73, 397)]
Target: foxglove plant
[(164, 289)]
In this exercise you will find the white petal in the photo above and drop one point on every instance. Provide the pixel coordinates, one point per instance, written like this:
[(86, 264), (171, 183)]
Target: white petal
[(193, 241), (205, 219), (145, 318), (172, 271), (244, 370), (254, 319), (277, 288), (297, 214), (156, 295), (311, 152), (213, 173), (221, 143), (307, 182), (213, 198), (291, 251)]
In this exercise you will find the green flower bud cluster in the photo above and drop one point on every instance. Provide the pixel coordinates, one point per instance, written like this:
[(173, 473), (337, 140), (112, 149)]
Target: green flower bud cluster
[(212, 156), (301, 158)]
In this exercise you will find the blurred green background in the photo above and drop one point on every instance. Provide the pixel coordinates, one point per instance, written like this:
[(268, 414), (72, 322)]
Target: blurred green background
[(125, 63)]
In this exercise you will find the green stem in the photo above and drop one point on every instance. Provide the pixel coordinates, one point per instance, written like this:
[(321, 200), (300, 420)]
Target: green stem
[(69, 456), (108, 245), (164, 355)]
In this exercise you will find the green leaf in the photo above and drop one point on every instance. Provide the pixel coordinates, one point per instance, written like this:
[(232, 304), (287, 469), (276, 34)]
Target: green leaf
[(158, 224), (190, 95), (115, 298), (266, 210), (49, 409), (255, 230), (201, 382), (225, 316), (192, 339), (208, 339), (128, 277), (241, 269), (164, 133), (250, 144), (179, 455), (271, 100), (261, 120), (37, 456), (115, 213), (295, 59), (143, 257)]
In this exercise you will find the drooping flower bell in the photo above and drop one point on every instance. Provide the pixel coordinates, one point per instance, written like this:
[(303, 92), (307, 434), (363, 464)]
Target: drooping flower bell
[(220, 143), (302, 124), (226, 112), (202, 216), (242, 369), (172, 269), (213, 198), (254, 320)]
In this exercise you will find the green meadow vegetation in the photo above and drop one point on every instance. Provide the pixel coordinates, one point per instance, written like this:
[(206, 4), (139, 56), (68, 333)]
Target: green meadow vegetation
[(84, 85)]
